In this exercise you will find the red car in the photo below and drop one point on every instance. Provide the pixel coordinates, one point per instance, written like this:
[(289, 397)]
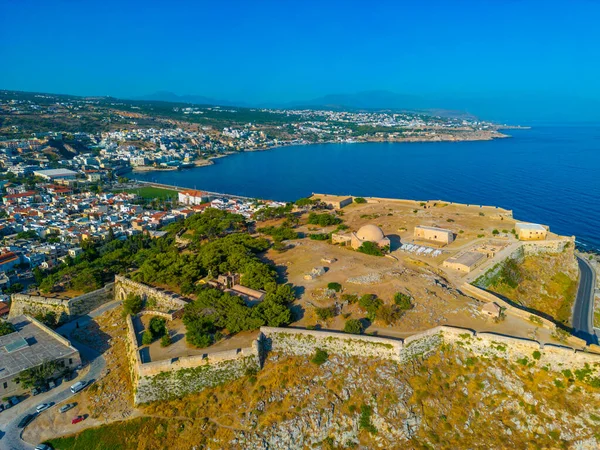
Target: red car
[(77, 420)]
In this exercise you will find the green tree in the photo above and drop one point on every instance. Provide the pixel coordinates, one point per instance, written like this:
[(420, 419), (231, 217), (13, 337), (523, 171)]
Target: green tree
[(403, 301), (133, 304), (353, 326), (147, 337), (370, 248), (158, 327), (37, 376), (321, 356), (6, 328), (165, 340), (200, 332), (337, 287)]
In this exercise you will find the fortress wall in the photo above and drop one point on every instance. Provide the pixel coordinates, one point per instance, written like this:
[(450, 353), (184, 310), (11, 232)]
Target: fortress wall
[(83, 304), (160, 300), (65, 309), (306, 342), (32, 305), (548, 246)]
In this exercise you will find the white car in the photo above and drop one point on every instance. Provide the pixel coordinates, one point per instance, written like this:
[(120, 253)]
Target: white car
[(78, 386), (42, 407), (43, 447)]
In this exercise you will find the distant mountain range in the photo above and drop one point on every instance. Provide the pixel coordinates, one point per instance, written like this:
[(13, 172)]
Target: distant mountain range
[(367, 100), (166, 96)]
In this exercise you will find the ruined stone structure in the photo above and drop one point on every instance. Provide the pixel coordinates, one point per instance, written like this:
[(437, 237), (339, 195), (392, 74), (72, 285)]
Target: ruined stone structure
[(66, 309), (158, 300), (176, 377)]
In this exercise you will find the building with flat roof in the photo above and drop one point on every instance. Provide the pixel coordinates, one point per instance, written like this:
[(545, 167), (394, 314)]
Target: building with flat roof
[(434, 234), (335, 201), (56, 174), (531, 231), (464, 262), (31, 345)]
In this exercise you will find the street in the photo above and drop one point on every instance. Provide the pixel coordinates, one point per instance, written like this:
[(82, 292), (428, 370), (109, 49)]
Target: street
[(583, 310)]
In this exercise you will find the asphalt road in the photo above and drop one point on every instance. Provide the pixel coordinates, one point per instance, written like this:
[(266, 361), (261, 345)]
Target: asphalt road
[(10, 434), (583, 311)]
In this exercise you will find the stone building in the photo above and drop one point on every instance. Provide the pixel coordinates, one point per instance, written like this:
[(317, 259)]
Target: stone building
[(31, 345), (369, 233), (464, 262), (531, 231), (434, 234)]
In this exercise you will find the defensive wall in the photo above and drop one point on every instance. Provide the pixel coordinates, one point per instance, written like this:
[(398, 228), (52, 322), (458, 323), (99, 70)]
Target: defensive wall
[(66, 309), (169, 304), (176, 377), (493, 211)]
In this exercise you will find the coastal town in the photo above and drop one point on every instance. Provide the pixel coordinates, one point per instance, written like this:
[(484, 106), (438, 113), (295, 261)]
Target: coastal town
[(121, 297)]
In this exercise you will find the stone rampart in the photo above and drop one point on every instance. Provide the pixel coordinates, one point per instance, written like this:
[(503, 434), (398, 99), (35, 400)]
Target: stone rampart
[(176, 377), (156, 299), (305, 342), (172, 378), (66, 309)]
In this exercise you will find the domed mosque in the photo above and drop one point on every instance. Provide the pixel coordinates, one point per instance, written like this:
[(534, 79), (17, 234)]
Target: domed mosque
[(369, 233)]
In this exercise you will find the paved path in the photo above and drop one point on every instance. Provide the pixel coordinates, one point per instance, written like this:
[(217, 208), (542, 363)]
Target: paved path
[(10, 434), (583, 311)]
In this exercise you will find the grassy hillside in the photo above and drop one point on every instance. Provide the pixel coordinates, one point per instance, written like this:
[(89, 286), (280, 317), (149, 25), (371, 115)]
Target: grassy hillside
[(545, 283), (452, 399)]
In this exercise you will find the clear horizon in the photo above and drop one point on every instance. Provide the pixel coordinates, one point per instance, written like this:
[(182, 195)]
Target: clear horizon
[(518, 61)]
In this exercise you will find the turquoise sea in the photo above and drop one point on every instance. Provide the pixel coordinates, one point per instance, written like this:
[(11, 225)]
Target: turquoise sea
[(547, 174)]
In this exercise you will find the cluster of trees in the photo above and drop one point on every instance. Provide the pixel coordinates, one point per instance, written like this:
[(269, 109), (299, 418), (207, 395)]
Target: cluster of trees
[(215, 311), (231, 253), (37, 376), (324, 219), (99, 263), (370, 248), (279, 234), (157, 329), (273, 212), (301, 202), (360, 200), (6, 328), (209, 225)]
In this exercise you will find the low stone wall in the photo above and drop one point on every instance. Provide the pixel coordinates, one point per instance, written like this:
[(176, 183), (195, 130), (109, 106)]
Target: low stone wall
[(305, 342), (548, 246), (161, 300), (65, 309), (176, 377), (83, 304)]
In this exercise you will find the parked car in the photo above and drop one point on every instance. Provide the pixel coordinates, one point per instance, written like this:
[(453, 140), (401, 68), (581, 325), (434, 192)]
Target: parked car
[(1, 407), (51, 384), (65, 408), (43, 447), (35, 391), (14, 401), (77, 419), (69, 376), (43, 407), (78, 386), (25, 420)]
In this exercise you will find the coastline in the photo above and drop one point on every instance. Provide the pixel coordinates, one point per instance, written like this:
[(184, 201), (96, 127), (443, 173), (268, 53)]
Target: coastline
[(464, 137)]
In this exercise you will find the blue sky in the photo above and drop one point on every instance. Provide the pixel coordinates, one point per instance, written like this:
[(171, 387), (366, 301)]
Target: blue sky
[(496, 57)]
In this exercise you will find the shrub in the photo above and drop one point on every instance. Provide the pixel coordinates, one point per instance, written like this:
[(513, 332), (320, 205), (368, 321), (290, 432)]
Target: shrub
[(323, 220), (337, 287), (389, 314), (319, 236), (370, 303), (360, 200), (165, 341), (350, 298), (325, 313), (147, 337), (537, 355), (133, 304), (403, 301), (495, 232), (365, 419), (370, 248), (321, 356), (6, 328), (353, 326), (158, 327), (304, 202)]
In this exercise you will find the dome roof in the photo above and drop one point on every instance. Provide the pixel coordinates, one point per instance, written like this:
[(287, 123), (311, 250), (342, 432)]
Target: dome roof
[(370, 233)]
